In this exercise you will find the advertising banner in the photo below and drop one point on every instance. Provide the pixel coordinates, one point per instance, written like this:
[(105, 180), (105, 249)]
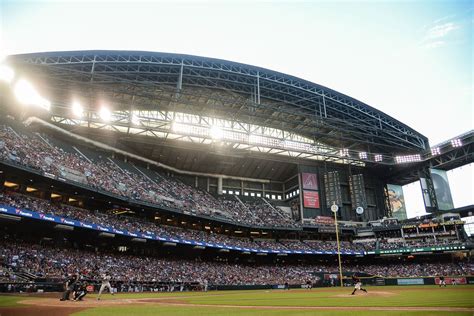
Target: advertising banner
[(410, 281), (442, 190), (310, 181), (311, 199), (450, 281), (420, 249), (397, 201)]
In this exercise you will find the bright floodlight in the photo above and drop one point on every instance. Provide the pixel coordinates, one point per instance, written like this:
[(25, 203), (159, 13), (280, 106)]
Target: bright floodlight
[(105, 114), (216, 132), (135, 119), (435, 151), (456, 143), (344, 152), (27, 94), (174, 126), (407, 159), (6, 74), (77, 109)]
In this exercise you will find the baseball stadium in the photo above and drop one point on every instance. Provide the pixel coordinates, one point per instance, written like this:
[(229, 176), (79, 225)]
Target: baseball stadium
[(149, 183)]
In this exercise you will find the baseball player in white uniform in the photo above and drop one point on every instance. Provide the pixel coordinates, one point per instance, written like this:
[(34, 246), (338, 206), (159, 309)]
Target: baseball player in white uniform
[(105, 284)]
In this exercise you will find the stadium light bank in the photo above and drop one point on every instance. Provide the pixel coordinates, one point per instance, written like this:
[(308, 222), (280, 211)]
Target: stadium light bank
[(24, 91)]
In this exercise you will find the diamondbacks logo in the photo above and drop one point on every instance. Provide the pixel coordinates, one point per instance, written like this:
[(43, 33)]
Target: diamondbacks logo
[(310, 181)]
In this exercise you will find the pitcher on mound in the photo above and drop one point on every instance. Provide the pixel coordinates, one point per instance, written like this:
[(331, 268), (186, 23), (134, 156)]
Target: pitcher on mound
[(357, 284)]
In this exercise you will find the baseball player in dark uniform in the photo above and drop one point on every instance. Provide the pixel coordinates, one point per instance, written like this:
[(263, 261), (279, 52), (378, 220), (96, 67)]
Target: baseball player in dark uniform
[(69, 286), (80, 291), (442, 282), (357, 284)]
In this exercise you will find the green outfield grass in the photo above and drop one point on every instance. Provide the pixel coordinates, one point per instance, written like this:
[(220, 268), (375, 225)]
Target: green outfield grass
[(388, 296), (404, 296), (410, 296), (460, 296), (206, 311)]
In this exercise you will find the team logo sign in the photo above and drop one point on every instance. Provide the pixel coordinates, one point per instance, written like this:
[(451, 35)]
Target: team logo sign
[(310, 181)]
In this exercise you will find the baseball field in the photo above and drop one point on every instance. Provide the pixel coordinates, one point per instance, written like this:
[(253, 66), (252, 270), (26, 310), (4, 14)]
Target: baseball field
[(409, 300)]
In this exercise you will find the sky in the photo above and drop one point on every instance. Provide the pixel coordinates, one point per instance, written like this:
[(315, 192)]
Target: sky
[(410, 59)]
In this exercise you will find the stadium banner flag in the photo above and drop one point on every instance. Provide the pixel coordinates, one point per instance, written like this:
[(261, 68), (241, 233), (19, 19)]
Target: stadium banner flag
[(311, 199), (442, 189), (397, 201), (309, 181)]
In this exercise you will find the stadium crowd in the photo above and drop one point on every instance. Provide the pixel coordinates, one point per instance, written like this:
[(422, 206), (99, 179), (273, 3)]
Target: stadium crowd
[(143, 225), (53, 262), (136, 224), (35, 151)]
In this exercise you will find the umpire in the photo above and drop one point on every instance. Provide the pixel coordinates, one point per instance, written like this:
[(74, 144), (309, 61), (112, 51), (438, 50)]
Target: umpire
[(69, 286)]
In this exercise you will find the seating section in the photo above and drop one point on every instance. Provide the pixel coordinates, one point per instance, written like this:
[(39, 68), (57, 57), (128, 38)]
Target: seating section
[(55, 261), (142, 225), (111, 175)]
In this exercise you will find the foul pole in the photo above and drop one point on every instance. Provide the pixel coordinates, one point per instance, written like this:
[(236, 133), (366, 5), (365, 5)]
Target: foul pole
[(334, 209)]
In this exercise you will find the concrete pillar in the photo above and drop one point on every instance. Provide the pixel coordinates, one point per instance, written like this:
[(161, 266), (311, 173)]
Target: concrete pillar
[(219, 186)]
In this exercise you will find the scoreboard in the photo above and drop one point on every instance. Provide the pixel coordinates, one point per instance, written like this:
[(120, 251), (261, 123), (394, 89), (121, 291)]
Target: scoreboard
[(332, 188), (357, 190)]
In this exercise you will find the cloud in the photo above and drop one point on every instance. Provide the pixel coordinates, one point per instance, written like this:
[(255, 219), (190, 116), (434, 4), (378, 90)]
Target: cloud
[(447, 17), (440, 30), (439, 34)]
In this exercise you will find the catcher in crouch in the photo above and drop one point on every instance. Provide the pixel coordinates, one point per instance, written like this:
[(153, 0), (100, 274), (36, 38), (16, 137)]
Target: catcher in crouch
[(357, 284), (80, 291)]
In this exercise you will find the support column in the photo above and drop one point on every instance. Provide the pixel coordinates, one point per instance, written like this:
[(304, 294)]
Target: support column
[(258, 88), (324, 104), (179, 84), (427, 188), (219, 186)]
